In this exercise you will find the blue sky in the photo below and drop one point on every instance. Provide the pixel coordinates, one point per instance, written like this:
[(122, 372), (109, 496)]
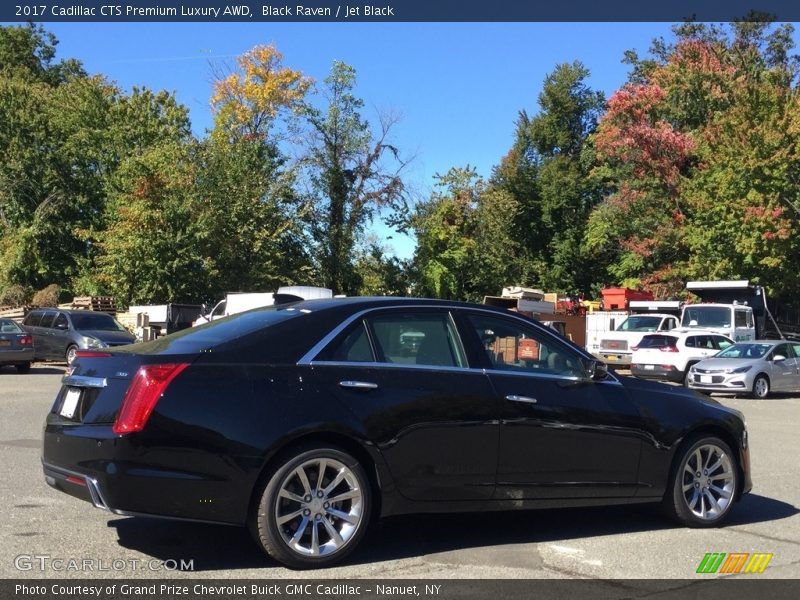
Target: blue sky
[(457, 86)]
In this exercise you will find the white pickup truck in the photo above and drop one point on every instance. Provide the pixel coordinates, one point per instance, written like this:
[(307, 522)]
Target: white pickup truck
[(616, 347)]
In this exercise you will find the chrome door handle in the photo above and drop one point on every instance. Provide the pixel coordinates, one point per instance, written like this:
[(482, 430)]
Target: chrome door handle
[(359, 385), (525, 399)]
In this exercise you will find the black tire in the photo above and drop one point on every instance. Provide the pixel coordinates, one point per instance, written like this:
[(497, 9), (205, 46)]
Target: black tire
[(69, 355), (761, 387), (686, 376), (23, 367), (313, 519), (707, 499)]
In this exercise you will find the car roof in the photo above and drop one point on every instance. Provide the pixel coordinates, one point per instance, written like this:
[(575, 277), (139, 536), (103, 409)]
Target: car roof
[(681, 333), (365, 302)]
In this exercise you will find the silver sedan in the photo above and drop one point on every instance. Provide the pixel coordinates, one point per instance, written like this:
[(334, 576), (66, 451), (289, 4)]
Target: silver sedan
[(757, 368)]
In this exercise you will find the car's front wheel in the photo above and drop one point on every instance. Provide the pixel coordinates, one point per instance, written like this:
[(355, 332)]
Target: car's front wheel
[(314, 508), (704, 483), (72, 352), (761, 387)]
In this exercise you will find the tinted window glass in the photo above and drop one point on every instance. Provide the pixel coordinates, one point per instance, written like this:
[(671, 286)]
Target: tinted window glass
[(704, 341), (796, 348), (691, 342), (417, 339), (782, 349), (741, 318), (95, 321), (353, 348), (33, 318), (8, 326), (513, 346), (227, 329), (658, 341), (61, 321), (47, 319)]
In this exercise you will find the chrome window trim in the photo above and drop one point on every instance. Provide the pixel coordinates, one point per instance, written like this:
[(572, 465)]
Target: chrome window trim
[(308, 358)]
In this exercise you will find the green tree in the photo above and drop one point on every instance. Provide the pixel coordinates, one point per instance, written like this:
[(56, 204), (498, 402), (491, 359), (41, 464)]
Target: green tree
[(353, 174)]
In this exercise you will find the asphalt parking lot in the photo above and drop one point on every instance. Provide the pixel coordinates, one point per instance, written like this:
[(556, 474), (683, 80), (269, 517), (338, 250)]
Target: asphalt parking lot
[(620, 542)]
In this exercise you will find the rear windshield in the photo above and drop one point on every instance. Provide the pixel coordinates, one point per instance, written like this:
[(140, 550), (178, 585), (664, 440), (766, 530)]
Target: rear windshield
[(95, 321), (745, 351), (657, 341), (209, 335), (8, 326)]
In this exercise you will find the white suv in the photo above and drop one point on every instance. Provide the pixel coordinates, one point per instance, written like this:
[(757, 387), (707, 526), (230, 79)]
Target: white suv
[(669, 355)]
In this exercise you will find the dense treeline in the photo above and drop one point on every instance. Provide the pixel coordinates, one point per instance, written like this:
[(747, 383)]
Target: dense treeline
[(690, 170)]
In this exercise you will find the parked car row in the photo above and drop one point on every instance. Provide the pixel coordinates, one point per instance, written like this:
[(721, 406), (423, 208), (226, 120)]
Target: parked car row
[(55, 334), (710, 362)]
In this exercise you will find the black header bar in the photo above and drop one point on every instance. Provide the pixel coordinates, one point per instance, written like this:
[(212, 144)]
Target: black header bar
[(392, 11)]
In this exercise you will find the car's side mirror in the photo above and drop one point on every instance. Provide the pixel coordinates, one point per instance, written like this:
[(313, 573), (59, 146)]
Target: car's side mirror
[(778, 358), (595, 369)]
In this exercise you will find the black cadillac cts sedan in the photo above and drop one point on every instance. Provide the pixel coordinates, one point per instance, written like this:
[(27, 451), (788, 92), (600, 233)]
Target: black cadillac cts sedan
[(305, 421)]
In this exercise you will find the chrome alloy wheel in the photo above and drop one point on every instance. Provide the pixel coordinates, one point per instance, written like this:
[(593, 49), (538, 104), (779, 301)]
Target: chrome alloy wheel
[(320, 507), (709, 482)]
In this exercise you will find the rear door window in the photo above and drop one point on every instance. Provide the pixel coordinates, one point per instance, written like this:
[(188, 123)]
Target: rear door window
[(33, 319), (61, 322), (47, 319), (691, 342), (424, 338)]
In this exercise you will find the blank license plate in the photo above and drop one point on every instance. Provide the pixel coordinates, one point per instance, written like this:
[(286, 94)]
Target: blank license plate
[(70, 403), (705, 379), (649, 367)]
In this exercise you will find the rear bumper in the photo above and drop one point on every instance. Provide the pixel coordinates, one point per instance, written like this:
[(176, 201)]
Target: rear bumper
[(119, 474), (661, 372), (616, 358), (22, 355)]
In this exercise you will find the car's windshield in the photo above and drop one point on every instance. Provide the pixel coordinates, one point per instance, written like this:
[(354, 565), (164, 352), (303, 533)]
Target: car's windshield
[(95, 321), (640, 323), (706, 316), (745, 351), (8, 326)]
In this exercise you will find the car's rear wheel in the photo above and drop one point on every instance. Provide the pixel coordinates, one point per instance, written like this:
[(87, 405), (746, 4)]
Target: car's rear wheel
[(761, 387), (72, 351), (314, 508), (704, 483), (23, 367)]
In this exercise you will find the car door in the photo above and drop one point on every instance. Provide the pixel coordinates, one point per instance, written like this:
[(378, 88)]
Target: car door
[(796, 379), (61, 335), (782, 373), (45, 337), (562, 435), (431, 416)]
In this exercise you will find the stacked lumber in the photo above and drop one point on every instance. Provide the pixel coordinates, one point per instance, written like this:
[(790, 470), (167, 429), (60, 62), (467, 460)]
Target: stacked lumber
[(17, 313), (104, 304)]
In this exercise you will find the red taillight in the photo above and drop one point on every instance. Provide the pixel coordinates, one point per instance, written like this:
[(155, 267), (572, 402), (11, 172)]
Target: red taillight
[(92, 354), (26, 340), (76, 480), (148, 385), (669, 348)]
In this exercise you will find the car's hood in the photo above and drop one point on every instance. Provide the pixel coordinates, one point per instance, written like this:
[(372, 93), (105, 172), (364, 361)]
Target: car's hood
[(720, 364), (108, 336), (669, 393)]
